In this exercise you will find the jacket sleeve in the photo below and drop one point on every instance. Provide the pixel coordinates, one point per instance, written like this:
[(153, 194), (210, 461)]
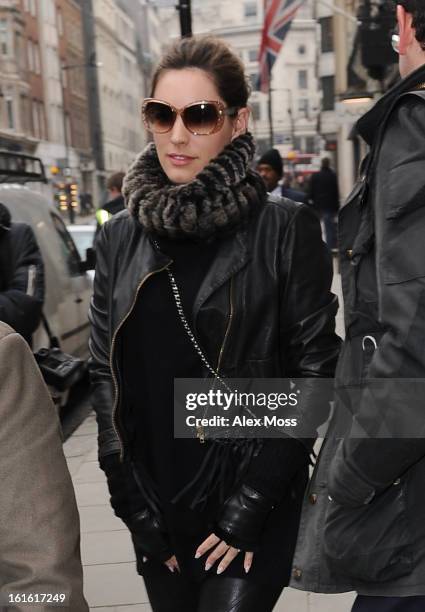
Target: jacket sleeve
[(366, 466), (39, 524), (22, 301), (102, 387), (309, 344), (126, 497)]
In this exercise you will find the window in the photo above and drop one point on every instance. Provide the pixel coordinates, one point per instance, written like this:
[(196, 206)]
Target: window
[(60, 22), (303, 106), (253, 81), (68, 248), (4, 50), (310, 144), (302, 50), (256, 111), (30, 50), (35, 119), (302, 79), (253, 55), (326, 26), (37, 66), (10, 114), (250, 9), (328, 89), (19, 51)]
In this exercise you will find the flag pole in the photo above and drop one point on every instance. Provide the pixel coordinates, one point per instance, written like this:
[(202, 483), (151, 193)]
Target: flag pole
[(270, 107)]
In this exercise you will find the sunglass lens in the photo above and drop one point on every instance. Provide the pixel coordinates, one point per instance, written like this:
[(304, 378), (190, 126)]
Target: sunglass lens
[(159, 117), (201, 118)]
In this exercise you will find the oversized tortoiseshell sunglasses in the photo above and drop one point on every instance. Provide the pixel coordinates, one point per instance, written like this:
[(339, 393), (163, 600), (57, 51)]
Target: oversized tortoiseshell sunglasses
[(200, 118)]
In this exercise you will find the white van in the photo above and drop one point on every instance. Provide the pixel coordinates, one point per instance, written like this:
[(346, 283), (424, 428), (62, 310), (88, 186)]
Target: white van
[(68, 286)]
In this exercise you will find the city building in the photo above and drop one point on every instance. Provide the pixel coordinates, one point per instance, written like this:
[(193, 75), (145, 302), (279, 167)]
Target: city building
[(65, 149), (22, 121), (120, 84)]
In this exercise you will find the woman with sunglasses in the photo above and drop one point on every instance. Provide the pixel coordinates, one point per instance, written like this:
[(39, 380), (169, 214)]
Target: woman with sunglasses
[(204, 275)]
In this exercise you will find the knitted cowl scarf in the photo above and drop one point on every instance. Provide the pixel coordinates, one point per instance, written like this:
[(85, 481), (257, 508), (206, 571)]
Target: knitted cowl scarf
[(216, 202)]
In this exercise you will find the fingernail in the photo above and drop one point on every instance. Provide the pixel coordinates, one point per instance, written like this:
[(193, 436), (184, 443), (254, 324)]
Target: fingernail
[(198, 554), (144, 559), (171, 568), (208, 566), (220, 570), (247, 568)]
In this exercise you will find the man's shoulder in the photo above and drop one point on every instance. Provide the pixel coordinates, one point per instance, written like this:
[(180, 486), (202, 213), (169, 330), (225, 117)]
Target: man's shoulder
[(5, 330), (408, 112)]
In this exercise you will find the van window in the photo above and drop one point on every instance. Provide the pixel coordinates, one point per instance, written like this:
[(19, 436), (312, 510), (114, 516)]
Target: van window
[(69, 251)]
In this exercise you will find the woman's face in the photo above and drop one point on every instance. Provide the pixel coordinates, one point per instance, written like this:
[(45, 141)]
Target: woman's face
[(183, 155)]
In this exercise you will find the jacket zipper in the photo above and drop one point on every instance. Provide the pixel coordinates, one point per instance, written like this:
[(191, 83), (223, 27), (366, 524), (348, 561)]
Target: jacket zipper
[(229, 323), (111, 358)]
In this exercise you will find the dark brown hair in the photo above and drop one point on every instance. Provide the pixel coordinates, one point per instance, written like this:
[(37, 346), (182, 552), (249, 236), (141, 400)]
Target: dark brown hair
[(115, 181), (216, 58), (417, 9)]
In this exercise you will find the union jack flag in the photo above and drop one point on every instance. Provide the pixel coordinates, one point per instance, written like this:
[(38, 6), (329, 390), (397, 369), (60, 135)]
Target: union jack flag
[(278, 17)]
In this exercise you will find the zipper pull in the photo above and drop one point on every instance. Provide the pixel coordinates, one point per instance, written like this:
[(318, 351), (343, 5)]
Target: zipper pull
[(200, 434)]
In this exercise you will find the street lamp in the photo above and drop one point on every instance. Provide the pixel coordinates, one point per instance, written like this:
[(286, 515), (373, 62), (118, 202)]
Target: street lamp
[(67, 170)]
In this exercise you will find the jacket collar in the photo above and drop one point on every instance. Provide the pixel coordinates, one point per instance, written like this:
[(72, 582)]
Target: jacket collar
[(368, 125), (232, 256)]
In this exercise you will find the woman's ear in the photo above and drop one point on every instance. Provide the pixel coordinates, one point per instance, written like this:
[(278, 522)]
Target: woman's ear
[(240, 124)]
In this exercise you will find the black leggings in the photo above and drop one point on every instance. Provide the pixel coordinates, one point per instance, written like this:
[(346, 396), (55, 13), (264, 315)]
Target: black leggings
[(169, 592)]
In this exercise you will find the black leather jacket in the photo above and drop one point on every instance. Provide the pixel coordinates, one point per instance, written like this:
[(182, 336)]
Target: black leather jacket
[(264, 309)]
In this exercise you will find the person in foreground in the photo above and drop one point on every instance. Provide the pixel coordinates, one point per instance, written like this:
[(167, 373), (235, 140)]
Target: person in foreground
[(39, 525), (213, 523), (369, 534)]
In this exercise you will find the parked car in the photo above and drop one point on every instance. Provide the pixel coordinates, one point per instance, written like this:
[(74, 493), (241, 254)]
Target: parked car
[(83, 237), (68, 284)]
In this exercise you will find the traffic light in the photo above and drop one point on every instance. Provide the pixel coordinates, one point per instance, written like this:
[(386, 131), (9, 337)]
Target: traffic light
[(73, 195)]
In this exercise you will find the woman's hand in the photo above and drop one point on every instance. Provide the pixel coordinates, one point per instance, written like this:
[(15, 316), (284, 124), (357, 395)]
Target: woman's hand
[(222, 550), (171, 563)]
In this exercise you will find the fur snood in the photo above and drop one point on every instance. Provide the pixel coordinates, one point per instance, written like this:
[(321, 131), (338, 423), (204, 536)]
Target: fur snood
[(218, 200)]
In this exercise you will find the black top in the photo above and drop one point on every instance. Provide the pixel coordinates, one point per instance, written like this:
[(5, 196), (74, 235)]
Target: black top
[(157, 349)]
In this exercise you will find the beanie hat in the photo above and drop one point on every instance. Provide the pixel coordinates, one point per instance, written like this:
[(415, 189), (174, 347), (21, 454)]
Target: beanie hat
[(272, 158)]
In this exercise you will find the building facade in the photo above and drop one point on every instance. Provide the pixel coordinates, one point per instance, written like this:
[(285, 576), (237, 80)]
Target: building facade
[(20, 129), (120, 85)]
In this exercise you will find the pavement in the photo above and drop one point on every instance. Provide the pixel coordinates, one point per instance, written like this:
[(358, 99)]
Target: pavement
[(111, 581)]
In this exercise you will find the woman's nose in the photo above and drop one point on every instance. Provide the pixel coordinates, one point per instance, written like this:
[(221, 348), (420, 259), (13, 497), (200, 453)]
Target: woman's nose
[(179, 133)]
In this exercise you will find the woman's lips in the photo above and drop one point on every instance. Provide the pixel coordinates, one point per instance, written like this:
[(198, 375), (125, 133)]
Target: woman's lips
[(180, 160)]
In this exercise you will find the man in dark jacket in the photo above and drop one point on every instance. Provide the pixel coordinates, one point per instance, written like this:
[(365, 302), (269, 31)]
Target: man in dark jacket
[(270, 168), (116, 202), (369, 534), (21, 276), (324, 195)]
